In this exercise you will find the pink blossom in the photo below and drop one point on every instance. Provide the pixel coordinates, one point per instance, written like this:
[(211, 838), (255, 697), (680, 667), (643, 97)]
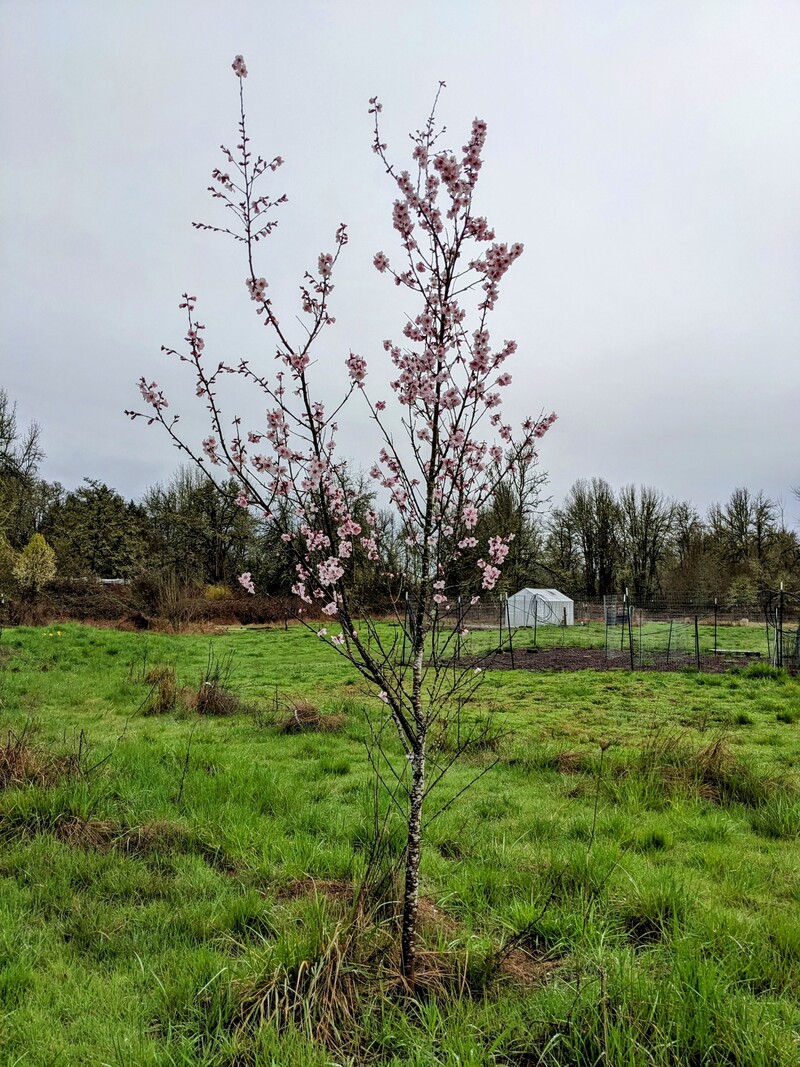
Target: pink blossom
[(370, 547), (490, 576), (337, 639), (330, 571), (299, 589), (384, 696), (381, 262), (239, 69), (246, 581), (257, 287), (242, 501), (349, 528), (330, 609), (356, 368), (152, 394), (322, 633), (498, 550), (469, 516), (210, 448)]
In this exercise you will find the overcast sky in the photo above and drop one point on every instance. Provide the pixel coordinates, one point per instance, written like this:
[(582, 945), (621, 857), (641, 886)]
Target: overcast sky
[(645, 152)]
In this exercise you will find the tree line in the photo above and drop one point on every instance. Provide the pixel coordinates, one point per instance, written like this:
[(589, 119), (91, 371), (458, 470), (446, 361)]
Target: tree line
[(597, 541)]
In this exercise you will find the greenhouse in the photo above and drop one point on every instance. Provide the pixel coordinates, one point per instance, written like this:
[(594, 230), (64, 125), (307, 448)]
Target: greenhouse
[(543, 607)]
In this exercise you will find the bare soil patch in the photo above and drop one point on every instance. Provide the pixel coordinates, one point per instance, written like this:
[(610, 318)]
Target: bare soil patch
[(594, 659)]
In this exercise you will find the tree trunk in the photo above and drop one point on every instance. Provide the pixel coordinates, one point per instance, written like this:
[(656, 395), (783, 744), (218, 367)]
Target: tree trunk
[(408, 939)]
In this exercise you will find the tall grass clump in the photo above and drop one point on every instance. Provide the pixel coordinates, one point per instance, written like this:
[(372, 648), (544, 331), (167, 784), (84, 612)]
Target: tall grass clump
[(668, 764), (163, 696), (214, 695)]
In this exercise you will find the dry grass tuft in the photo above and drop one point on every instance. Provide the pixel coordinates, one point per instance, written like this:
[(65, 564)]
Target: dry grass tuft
[(163, 696), (572, 762), (524, 969), (310, 887), (214, 695), (95, 835), (159, 836), (305, 717), (22, 763), (213, 699)]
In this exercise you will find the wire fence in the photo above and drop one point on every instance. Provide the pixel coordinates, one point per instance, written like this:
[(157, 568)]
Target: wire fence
[(665, 633)]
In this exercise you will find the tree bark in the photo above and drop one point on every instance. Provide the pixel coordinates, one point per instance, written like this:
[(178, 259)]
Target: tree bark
[(408, 937)]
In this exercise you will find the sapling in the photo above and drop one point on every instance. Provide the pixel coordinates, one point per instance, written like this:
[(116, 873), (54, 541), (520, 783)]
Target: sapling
[(443, 445)]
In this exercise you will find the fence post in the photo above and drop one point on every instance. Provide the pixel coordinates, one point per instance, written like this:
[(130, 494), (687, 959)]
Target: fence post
[(626, 612), (510, 637), (405, 627), (697, 643), (715, 627)]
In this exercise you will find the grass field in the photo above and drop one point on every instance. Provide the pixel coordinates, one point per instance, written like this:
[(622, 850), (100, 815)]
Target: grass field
[(621, 887)]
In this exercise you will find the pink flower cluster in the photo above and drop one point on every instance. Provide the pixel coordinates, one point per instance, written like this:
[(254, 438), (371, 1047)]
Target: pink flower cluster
[(330, 571), (152, 395), (490, 574), (356, 368)]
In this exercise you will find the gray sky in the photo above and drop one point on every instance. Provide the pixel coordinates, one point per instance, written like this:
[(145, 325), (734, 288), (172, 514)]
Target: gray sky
[(646, 153)]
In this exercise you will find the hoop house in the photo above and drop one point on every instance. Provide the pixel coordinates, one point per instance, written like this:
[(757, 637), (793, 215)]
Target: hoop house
[(543, 607)]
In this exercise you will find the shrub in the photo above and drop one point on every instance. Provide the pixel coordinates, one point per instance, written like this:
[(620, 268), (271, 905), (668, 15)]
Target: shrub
[(35, 566), (217, 592)]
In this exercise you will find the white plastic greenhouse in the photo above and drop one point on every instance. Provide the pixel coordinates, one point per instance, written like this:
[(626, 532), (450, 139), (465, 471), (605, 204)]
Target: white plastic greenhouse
[(543, 607)]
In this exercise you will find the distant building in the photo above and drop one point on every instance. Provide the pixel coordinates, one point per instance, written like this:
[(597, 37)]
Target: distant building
[(542, 607)]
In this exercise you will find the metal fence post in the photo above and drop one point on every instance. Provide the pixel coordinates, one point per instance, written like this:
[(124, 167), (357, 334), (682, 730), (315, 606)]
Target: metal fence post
[(510, 636), (715, 627)]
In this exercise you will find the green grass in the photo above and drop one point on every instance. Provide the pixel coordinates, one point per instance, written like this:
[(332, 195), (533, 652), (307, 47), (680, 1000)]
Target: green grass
[(168, 878), (655, 637)]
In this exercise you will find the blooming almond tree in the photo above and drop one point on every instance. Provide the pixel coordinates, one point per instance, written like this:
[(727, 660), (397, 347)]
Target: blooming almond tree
[(444, 445)]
